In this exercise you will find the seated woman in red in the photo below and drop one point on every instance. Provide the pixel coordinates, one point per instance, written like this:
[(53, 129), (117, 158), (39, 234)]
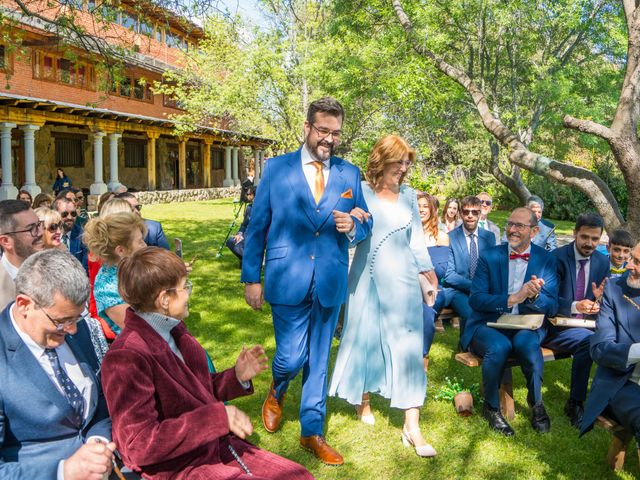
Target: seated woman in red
[(168, 411)]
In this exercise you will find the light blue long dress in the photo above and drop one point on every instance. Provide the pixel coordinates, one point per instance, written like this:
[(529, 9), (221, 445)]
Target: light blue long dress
[(381, 346)]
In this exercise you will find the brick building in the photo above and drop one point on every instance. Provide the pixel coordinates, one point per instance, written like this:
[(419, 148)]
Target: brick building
[(58, 110)]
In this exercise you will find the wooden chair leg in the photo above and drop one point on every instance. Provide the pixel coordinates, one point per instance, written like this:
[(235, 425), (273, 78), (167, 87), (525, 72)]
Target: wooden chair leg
[(439, 325), (455, 322), (618, 450), (506, 395)]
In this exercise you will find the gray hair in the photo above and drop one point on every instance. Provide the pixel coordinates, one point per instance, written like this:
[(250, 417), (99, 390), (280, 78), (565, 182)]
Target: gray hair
[(535, 199), (52, 271)]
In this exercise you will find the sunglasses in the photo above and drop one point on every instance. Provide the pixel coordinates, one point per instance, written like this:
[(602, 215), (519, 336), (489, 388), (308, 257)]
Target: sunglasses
[(466, 211), (54, 227), (487, 203), (73, 214)]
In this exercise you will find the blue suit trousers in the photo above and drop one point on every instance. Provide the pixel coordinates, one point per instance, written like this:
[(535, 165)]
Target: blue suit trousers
[(625, 406), (429, 315), (303, 342), (460, 303), (495, 346)]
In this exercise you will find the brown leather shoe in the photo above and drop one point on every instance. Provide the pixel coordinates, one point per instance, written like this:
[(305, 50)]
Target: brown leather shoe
[(272, 411), (321, 449)]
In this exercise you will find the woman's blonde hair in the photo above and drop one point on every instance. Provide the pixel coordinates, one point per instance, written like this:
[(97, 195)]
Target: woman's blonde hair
[(115, 205), (48, 216), (387, 150), (103, 234)]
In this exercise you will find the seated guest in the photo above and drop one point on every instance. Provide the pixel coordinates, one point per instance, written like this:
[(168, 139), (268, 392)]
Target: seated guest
[(52, 227), (582, 273), (466, 243), (546, 237), (428, 209), (155, 235), (518, 278), (25, 197), (615, 347), (619, 249), (486, 205), (53, 410), (450, 214), (236, 243), (67, 193), (104, 198), (42, 200), (72, 232), (112, 238), (169, 417), (81, 206), (20, 237)]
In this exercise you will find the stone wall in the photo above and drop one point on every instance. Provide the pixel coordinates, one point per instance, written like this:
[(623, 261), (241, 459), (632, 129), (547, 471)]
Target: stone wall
[(192, 195)]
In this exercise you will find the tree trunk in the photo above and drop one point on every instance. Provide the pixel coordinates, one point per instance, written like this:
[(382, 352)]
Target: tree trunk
[(514, 181)]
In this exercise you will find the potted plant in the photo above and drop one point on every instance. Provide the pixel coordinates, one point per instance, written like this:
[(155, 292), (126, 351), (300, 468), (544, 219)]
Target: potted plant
[(462, 396)]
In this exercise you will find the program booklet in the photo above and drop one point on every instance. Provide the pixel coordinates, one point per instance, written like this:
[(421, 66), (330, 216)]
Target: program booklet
[(518, 322), (573, 322)]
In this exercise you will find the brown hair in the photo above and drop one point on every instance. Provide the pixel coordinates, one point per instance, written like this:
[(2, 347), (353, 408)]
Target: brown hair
[(104, 198), (446, 207), (431, 227), (470, 201), (103, 234), (40, 198), (326, 105), (387, 150), (143, 275)]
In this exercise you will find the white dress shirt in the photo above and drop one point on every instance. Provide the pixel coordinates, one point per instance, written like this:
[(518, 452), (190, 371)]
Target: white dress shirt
[(517, 272), (310, 170), (467, 236), (9, 267), (587, 271)]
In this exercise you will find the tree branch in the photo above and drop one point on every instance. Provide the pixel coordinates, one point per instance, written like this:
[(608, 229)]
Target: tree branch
[(588, 126)]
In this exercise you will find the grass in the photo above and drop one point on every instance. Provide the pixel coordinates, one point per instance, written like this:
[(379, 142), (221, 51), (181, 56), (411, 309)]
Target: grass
[(223, 323)]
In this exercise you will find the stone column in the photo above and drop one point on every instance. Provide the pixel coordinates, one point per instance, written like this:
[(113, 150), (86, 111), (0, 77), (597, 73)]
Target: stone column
[(257, 171), (261, 162), (206, 162), (151, 160), (7, 190), (228, 181), (182, 162), (30, 185), (113, 161), (234, 163), (98, 187)]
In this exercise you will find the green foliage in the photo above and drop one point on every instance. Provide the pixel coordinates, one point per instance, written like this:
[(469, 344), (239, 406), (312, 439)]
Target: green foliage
[(452, 387)]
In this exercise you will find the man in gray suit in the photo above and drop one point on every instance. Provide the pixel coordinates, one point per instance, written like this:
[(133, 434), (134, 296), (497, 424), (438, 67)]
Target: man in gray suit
[(486, 205), (54, 422), (546, 237)]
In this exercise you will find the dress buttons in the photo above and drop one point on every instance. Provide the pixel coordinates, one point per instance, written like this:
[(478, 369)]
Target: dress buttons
[(317, 234), (312, 257), (318, 210)]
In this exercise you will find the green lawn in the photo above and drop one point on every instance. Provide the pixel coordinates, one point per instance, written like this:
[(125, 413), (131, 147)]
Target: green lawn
[(466, 448)]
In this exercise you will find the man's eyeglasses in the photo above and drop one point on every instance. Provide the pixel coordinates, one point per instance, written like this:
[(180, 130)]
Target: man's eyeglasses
[(188, 287), (474, 212), (487, 203), (325, 132), (517, 226), (73, 214), (61, 324), (54, 227), (33, 229)]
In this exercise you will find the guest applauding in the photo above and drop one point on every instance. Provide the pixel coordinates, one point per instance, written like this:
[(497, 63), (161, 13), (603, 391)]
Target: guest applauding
[(381, 346), (169, 417), (450, 214)]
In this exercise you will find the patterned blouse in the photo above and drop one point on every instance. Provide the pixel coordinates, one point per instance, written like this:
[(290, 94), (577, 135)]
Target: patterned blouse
[(106, 293)]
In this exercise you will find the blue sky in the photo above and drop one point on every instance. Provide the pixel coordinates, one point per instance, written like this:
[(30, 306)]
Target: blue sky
[(247, 9)]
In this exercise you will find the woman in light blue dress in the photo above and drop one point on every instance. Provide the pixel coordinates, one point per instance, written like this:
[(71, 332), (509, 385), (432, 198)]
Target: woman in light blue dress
[(381, 345)]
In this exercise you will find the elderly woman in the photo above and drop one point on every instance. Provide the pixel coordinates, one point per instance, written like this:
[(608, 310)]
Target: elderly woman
[(52, 227), (381, 346), (169, 416), (451, 214), (112, 238)]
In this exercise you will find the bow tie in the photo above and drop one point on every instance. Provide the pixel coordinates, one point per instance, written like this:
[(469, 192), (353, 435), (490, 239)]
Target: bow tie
[(515, 256)]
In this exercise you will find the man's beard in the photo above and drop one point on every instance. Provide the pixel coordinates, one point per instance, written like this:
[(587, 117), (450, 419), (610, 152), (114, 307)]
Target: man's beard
[(633, 282), (314, 151), (25, 250)]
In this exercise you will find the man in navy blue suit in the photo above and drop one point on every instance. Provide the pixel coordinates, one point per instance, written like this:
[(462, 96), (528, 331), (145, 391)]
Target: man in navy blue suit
[(466, 243), (518, 278), (311, 205), (72, 231), (615, 347), (582, 273), (54, 421)]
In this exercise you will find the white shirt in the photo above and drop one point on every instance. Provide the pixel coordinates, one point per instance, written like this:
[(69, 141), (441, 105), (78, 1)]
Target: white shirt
[(467, 236), (517, 272), (9, 267), (587, 270), (310, 170)]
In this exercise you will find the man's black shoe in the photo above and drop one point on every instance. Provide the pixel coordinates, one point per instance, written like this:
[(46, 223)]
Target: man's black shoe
[(540, 421), (574, 410), (497, 422)]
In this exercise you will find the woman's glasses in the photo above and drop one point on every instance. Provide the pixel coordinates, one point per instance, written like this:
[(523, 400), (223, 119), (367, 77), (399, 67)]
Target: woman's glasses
[(54, 227)]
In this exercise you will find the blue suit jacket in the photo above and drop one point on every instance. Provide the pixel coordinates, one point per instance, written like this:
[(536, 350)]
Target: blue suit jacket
[(36, 430), (155, 235), (457, 274), (77, 248), (598, 270), (302, 242), (617, 328), (489, 291)]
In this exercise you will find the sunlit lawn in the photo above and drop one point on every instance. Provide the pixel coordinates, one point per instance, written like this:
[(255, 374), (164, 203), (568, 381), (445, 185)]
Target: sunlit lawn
[(466, 448)]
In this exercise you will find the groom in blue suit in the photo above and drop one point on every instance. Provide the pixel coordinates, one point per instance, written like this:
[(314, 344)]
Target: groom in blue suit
[(518, 278), (308, 208), (54, 421)]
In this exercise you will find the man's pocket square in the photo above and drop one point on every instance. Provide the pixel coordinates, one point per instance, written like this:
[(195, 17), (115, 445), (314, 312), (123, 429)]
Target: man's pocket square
[(347, 194)]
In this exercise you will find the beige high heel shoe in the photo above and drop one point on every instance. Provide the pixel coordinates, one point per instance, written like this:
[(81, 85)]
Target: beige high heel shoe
[(423, 450), (368, 419)]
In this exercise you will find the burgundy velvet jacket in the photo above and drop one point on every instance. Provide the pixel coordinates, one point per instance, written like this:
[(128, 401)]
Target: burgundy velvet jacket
[(168, 415)]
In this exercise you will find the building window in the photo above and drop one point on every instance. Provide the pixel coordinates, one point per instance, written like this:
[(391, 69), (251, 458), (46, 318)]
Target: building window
[(55, 68), (69, 151), (5, 59), (171, 102), (135, 88), (159, 34), (135, 154)]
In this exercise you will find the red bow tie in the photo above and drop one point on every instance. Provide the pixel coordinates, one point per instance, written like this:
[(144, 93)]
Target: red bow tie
[(523, 256)]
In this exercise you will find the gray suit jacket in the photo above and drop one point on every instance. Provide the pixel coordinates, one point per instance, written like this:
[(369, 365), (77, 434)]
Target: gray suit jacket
[(7, 288)]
